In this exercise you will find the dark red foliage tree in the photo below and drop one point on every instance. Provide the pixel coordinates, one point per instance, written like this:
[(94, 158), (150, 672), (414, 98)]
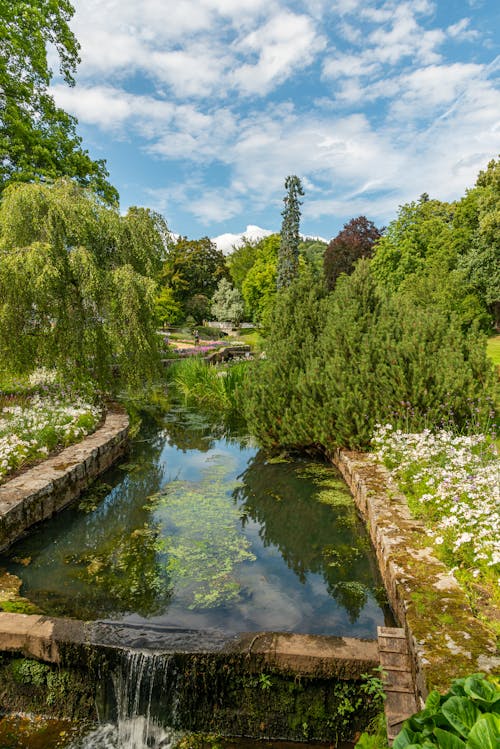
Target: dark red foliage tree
[(356, 240)]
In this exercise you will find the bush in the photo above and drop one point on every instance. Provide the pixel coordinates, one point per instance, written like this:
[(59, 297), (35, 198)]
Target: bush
[(340, 363), (467, 717)]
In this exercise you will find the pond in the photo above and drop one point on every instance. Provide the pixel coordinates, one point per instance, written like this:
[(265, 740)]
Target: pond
[(197, 528)]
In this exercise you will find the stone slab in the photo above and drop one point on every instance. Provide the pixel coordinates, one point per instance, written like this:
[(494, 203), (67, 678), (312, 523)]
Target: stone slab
[(41, 491)]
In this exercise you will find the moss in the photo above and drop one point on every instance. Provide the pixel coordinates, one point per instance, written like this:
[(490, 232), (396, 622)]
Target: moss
[(236, 697), (33, 687)]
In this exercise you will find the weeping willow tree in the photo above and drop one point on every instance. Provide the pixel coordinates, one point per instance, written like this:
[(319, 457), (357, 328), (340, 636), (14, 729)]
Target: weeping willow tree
[(77, 285)]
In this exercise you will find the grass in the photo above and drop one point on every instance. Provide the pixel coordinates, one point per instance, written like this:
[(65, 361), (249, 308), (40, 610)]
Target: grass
[(251, 336), (493, 349)]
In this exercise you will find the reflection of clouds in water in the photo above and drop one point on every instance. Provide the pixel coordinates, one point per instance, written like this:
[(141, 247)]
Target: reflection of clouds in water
[(191, 464)]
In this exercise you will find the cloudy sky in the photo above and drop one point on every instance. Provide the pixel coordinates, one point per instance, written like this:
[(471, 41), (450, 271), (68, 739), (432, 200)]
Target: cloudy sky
[(203, 107)]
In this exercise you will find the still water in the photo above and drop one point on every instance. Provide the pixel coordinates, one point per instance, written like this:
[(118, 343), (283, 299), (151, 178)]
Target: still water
[(197, 528)]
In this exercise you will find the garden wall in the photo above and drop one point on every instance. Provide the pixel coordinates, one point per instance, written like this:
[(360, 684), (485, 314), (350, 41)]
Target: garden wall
[(43, 490), (446, 640)]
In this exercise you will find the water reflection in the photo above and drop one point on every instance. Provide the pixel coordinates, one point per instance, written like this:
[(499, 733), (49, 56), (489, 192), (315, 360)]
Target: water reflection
[(197, 529), (298, 507)]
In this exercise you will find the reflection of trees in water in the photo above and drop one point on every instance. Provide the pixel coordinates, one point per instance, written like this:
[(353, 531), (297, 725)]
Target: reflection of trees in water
[(191, 430), (109, 544), (313, 536)]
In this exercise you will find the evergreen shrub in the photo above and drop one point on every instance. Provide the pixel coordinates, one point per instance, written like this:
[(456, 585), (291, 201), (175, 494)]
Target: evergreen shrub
[(339, 363)]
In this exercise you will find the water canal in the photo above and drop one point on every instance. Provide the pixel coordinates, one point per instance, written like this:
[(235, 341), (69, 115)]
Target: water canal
[(199, 529), (202, 530)]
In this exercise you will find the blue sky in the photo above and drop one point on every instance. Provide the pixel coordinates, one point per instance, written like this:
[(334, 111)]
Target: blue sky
[(203, 107)]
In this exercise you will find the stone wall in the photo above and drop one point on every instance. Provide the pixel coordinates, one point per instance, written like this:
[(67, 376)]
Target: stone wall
[(43, 490), (260, 685), (446, 640)]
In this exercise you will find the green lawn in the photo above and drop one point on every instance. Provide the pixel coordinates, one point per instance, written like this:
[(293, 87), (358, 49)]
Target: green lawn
[(493, 349)]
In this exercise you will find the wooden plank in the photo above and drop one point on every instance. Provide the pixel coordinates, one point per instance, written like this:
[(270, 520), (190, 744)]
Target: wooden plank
[(395, 661)]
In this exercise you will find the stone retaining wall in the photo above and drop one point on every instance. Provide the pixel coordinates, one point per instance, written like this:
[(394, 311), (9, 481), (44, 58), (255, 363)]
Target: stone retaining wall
[(260, 685), (446, 640), (45, 489)]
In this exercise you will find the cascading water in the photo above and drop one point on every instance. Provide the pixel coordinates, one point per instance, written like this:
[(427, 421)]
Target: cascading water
[(142, 705)]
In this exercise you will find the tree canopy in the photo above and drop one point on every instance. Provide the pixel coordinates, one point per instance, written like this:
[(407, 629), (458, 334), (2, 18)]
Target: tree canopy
[(77, 284), (227, 303), (356, 240), (259, 286), (193, 266), (448, 254), (38, 140)]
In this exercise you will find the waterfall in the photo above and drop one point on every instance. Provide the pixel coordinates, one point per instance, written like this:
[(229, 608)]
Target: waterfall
[(142, 705)]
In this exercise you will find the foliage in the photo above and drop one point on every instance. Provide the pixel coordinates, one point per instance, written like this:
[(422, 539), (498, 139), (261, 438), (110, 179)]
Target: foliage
[(168, 310), (452, 482), (448, 255), (335, 367), (38, 140), (210, 388), (482, 262), (241, 260), (227, 303), (288, 258), (272, 397), (76, 284), (197, 308), (356, 240), (421, 229), (192, 269), (312, 252), (467, 717), (29, 431), (259, 286)]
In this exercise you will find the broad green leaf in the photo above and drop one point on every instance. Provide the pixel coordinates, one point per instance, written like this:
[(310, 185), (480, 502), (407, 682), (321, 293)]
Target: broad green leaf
[(447, 740), (433, 702), (485, 734), (480, 690), (461, 713), (405, 738)]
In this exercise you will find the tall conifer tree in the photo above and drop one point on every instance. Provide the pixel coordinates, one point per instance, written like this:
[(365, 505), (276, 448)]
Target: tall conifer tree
[(288, 258)]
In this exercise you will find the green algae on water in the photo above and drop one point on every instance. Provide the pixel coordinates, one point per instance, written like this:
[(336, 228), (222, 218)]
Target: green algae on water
[(202, 539)]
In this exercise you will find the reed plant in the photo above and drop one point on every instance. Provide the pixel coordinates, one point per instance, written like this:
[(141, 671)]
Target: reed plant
[(211, 388)]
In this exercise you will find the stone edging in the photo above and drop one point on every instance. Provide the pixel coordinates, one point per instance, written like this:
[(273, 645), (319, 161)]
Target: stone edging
[(46, 488), (445, 639)]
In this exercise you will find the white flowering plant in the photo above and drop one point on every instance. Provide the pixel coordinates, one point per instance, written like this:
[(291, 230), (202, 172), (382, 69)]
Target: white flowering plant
[(452, 482), (44, 417)]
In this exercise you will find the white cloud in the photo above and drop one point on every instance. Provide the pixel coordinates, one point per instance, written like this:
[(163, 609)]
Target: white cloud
[(461, 30), (228, 241), (285, 42)]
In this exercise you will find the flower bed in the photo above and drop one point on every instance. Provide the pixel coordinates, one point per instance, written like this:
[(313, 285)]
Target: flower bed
[(32, 428), (452, 483)]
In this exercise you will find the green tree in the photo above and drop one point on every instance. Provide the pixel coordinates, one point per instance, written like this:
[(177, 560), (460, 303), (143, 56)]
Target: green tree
[(481, 259), (288, 260), (259, 286), (356, 240), (312, 251), (38, 141), (241, 260), (227, 303), (77, 284), (193, 267), (167, 308), (421, 230)]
